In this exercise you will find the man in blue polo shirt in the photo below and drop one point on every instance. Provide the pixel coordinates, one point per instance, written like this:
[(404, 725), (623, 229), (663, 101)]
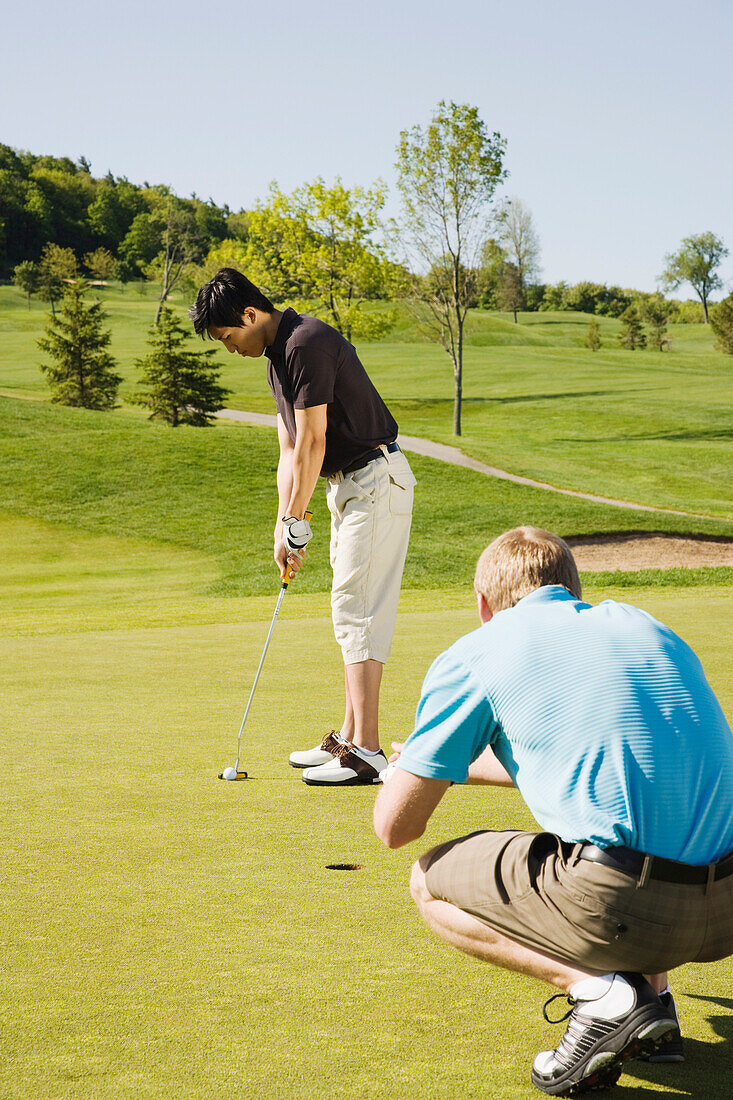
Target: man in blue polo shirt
[(603, 719)]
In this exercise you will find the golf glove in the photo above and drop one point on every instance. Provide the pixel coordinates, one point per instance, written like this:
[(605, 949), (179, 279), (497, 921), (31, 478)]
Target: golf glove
[(296, 534)]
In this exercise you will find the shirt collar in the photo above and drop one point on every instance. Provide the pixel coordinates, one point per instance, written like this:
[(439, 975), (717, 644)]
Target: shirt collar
[(549, 593), (288, 321)]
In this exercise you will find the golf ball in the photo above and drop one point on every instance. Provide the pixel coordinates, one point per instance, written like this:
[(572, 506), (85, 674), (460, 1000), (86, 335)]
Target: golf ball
[(229, 773)]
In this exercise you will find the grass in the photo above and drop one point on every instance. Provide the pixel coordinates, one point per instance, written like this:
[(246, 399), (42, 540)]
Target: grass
[(537, 402), (210, 493), (168, 934)]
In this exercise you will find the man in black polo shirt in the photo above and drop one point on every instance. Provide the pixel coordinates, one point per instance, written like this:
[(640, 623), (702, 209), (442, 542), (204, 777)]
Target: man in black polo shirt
[(333, 423)]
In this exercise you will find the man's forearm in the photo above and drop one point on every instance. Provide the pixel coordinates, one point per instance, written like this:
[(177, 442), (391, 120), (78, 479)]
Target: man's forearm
[(307, 460), (284, 488)]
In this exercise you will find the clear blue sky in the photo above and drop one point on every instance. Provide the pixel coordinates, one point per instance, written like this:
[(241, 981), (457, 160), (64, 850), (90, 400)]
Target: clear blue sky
[(618, 117)]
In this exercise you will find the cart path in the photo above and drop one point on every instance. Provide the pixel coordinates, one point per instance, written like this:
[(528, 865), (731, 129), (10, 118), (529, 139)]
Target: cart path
[(455, 457)]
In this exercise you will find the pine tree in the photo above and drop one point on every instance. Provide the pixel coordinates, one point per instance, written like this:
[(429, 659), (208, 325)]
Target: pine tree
[(82, 373), (632, 333), (182, 386), (593, 336)]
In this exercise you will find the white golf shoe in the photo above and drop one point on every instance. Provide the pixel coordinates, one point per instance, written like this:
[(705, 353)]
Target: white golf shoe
[(321, 754), (350, 767)]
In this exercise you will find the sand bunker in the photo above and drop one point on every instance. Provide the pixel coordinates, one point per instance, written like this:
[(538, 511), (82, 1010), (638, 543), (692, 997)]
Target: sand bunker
[(633, 551)]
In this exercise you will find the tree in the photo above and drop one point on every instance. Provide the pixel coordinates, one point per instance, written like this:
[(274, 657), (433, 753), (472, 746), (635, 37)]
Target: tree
[(511, 297), (593, 336), (322, 243), (721, 322), (27, 277), (114, 209), (519, 238), (182, 244), (100, 263), (82, 373), (632, 331), (488, 278), (655, 311), (183, 387), (58, 265), (696, 262), (447, 176)]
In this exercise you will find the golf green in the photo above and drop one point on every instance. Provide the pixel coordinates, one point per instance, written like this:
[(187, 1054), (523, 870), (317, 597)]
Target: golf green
[(168, 934)]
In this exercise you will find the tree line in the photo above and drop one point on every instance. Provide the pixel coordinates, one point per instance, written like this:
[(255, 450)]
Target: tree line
[(457, 245)]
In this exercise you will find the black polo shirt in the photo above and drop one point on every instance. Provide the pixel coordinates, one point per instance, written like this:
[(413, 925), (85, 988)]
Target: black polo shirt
[(310, 363)]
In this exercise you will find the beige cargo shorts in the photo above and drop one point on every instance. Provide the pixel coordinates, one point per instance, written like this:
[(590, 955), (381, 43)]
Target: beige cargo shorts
[(529, 886), (371, 514)]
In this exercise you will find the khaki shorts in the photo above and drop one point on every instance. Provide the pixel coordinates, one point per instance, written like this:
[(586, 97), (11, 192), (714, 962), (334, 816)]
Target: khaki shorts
[(371, 514), (527, 886)]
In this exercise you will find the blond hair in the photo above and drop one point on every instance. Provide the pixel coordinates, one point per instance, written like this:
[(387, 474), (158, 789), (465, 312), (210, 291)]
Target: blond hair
[(521, 560)]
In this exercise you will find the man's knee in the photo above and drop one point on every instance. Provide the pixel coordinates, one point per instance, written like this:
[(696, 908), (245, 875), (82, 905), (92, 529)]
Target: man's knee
[(418, 889)]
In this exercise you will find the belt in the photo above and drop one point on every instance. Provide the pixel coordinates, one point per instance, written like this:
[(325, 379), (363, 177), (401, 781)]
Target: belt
[(360, 463), (666, 870)]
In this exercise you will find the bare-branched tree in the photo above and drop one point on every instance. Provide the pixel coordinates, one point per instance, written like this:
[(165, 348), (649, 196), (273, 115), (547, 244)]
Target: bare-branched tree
[(447, 176)]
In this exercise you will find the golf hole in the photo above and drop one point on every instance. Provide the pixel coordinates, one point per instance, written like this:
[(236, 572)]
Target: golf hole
[(344, 866)]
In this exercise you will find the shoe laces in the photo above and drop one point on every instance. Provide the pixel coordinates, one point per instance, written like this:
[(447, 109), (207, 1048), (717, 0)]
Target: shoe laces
[(566, 996)]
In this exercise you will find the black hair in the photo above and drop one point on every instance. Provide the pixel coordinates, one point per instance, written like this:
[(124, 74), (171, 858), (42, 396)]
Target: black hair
[(221, 302)]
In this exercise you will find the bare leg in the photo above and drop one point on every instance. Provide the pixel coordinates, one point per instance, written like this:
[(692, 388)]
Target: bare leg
[(658, 982), (347, 726), (363, 680), (473, 937)]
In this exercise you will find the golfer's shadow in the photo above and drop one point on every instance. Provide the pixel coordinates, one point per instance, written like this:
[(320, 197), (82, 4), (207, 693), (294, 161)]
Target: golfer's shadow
[(707, 1071)]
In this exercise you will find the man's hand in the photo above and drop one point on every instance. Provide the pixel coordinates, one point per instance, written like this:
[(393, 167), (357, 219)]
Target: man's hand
[(296, 534), (391, 768), (288, 561)]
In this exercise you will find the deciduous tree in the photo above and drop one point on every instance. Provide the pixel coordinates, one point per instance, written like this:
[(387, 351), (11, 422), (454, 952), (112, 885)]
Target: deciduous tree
[(323, 242), (655, 312), (519, 239), (82, 372), (721, 322), (511, 295), (447, 176), (182, 386), (593, 335), (58, 265), (27, 277), (696, 262), (100, 263)]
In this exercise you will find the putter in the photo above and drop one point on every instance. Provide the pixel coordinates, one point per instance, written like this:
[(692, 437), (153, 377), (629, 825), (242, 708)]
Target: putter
[(234, 773)]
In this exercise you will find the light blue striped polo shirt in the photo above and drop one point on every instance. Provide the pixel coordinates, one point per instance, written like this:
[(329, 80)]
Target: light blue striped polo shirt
[(601, 715)]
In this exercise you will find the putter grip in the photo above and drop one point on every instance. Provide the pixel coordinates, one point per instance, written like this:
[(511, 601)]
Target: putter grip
[(285, 583)]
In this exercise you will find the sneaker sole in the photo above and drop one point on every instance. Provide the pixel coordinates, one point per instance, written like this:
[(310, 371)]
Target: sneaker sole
[(301, 766), (604, 1068)]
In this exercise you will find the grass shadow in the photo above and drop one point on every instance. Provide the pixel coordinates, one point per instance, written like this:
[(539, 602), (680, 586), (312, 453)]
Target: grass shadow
[(708, 1067), (711, 435), (412, 403)]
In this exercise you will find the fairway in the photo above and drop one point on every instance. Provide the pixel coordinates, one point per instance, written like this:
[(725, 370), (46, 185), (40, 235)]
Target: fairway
[(171, 934)]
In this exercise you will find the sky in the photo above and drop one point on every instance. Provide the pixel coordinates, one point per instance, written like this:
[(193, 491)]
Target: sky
[(618, 117)]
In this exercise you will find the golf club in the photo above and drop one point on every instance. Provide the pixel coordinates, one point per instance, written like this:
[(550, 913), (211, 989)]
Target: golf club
[(234, 773)]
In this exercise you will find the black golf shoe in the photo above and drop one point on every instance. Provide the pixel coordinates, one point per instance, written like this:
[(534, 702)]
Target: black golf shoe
[(671, 1049), (592, 1051)]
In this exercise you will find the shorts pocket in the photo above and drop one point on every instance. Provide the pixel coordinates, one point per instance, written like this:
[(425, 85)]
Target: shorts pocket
[(616, 922), (402, 483)]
